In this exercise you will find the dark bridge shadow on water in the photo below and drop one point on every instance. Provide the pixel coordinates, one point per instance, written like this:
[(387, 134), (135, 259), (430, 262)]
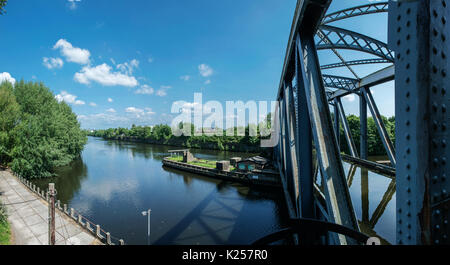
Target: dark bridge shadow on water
[(173, 235), (229, 214)]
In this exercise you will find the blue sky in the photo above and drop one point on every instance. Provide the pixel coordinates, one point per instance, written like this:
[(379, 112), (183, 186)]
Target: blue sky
[(119, 63)]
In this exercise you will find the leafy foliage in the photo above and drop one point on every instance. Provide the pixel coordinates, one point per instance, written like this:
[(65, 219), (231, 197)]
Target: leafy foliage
[(2, 6), (162, 134), (375, 145), (37, 133)]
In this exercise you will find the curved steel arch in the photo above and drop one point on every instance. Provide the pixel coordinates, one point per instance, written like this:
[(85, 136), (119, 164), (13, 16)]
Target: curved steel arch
[(340, 82), (346, 39), (355, 62), (356, 11)]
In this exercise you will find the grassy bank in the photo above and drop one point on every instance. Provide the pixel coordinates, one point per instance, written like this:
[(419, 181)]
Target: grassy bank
[(5, 232), (199, 162)]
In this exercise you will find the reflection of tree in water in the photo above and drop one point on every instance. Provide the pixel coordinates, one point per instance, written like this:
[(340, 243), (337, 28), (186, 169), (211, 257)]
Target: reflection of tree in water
[(158, 152), (187, 180), (68, 182), (366, 223)]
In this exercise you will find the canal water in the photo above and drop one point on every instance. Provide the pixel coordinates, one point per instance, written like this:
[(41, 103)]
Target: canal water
[(114, 182)]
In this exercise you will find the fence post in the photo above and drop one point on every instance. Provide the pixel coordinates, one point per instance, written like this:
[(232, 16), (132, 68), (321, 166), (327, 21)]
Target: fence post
[(51, 206), (98, 231), (108, 238), (72, 212)]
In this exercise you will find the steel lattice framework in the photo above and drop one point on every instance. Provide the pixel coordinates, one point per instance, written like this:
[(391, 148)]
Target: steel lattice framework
[(354, 62), (339, 82), (338, 38), (417, 34), (356, 11)]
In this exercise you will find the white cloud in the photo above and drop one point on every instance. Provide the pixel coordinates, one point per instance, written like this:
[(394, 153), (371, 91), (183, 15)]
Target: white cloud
[(165, 87), (73, 4), (149, 111), (134, 110), (52, 63), (128, 67), (111, 110), (110, 100), (72, 54), (350, 98), (185, 77), (145, 90), (5, 76), (150, 59), (69, 98), (205, 70), (161, 93), (207, 82), (139, 112), (102, 74), (93, 104)]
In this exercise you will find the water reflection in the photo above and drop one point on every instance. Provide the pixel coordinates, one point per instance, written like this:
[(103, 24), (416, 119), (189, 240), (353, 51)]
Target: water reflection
[(374, 190), (117, 180), (114, 181), (69, 181)]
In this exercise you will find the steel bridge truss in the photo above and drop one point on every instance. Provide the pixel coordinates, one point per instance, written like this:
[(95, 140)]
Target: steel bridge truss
[(305, 95)]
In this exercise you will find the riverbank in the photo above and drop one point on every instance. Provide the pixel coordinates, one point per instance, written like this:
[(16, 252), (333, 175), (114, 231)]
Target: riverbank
[(28, 214), (196, 144), (5, 231)]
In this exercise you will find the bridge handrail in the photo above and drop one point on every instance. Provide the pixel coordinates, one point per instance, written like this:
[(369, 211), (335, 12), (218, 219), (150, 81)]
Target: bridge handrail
[(88, 225)]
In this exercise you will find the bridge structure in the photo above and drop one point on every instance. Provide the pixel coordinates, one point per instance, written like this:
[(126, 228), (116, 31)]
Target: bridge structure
[(415, 58)]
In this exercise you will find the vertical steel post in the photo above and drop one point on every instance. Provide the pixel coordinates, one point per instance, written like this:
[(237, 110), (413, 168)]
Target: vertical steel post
[(363, 128), (419, 34), (380, 125), (51, 214), (292, 136), (347, 132), (304, 143), (339, 203), (337, 126), (289, 173)]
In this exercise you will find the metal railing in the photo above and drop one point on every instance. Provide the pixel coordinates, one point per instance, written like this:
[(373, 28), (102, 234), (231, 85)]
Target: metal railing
[(94, 229)]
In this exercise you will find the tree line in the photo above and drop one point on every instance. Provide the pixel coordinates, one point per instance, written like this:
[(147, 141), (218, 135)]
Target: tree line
[(37, 133), (374, 144), (162, 134)]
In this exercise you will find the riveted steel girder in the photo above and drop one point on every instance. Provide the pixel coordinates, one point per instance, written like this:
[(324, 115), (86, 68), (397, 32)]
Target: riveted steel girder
[(355, 62), (339, 204), (419, 34), (338, 38), (381, 76), (356, 11), (340, 82)]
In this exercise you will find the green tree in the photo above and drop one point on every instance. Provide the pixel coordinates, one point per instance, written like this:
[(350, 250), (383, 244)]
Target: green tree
[(9, 117), (48, 134)]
